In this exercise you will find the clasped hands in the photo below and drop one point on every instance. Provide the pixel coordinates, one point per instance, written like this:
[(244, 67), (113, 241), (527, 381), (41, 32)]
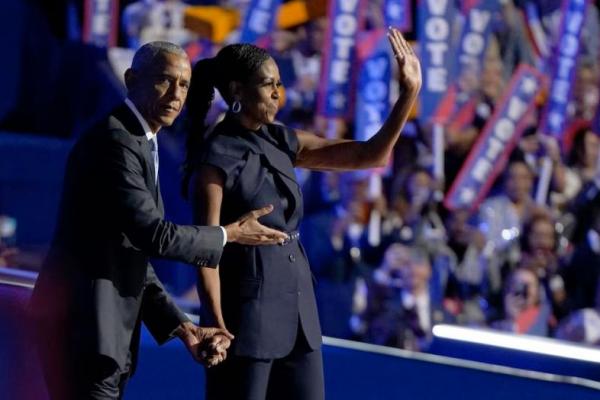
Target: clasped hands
[(208, 346)]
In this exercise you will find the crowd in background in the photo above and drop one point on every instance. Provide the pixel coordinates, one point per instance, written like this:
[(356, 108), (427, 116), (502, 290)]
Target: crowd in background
[(389, 260)]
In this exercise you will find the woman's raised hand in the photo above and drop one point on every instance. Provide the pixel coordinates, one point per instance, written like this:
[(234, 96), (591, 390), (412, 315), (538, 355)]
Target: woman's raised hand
[(408, 63)]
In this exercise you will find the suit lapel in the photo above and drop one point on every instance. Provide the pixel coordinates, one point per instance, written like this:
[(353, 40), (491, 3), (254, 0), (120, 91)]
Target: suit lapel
[(281, 165), (124, 114), (160, 205), (277, 158), (272, 157)]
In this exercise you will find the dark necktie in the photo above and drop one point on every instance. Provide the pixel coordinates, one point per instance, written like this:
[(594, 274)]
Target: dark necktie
[(154, 148)]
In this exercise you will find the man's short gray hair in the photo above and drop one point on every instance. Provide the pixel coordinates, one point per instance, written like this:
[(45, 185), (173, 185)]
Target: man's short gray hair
[(147, 54)]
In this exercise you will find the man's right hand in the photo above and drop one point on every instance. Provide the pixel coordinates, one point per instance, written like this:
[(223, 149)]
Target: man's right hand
[(247, 230)]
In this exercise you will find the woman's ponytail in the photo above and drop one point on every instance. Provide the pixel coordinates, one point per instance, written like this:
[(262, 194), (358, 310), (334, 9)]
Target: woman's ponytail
[(199, 101)]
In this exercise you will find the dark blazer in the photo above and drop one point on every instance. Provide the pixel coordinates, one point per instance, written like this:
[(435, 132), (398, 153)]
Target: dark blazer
[(266, 291), (97, 278)]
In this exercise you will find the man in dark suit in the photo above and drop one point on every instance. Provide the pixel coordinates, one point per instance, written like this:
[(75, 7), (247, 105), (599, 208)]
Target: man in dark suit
[(97, 286)]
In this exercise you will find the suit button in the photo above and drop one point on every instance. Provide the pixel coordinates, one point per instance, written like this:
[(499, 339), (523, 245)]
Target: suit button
[(292, 258)]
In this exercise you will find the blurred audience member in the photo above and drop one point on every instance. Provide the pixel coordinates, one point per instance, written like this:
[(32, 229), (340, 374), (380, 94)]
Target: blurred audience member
[(511, 33), (400, 310), (337, 245), (586, 92), (413, 218), (487, 89), (501, 221), (464, 289), (149, 20), (539, 247), (307, 68), (583, 158), (536, 148), (525, 309), (583, 326)]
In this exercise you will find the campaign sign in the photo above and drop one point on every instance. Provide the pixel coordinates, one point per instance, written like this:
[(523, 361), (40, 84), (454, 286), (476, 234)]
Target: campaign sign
[(398, 13), (563, 68), (373, 97), (535, 30), (470, 54), (259, 20), (497, 139), (101, 22), (475, 37), (339, 56), (435, 40)]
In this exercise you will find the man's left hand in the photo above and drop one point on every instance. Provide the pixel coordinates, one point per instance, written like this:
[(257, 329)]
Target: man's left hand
[(206, 345)]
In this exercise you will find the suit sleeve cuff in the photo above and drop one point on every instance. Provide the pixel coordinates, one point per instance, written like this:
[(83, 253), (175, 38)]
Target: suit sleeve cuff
[(224, 235)]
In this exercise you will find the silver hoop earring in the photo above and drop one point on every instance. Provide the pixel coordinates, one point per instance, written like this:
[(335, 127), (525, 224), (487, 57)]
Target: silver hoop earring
[(236, 107)]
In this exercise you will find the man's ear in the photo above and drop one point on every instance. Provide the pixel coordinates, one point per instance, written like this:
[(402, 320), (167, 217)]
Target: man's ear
[(129, 78)]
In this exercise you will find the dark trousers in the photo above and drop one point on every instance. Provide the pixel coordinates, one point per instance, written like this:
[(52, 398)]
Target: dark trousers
[(71, 374), (297, 376), (102, 380)]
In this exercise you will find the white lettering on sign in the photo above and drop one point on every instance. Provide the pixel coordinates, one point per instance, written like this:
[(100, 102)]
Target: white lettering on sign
[(343, 47), (374, 95), (473, 41), (259, 21), (503, 132), (101, 24), (260, 17), (482, 169), (437, 78), (339, 71), (437, 33), (564, 64), (437, 28), (437, 7), (345, 27), (437, 51)]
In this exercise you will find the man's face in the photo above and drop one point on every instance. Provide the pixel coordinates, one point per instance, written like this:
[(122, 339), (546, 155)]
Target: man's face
[(542, 237), (159, 92)]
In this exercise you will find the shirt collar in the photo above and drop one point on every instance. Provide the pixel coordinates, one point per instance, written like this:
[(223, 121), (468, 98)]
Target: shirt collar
[(149, 134)]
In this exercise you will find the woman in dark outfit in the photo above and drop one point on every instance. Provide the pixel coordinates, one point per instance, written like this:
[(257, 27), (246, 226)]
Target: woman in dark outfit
[(264, 294)]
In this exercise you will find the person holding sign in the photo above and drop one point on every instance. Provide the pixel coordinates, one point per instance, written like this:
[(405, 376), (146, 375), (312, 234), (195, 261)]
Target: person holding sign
[(264, 294)]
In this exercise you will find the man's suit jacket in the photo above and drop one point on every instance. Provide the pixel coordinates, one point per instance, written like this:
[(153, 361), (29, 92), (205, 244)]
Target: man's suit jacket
[(97, 280)]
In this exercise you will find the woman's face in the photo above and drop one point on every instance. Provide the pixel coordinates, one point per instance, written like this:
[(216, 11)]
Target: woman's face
[(519, 182), (260, 96)]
